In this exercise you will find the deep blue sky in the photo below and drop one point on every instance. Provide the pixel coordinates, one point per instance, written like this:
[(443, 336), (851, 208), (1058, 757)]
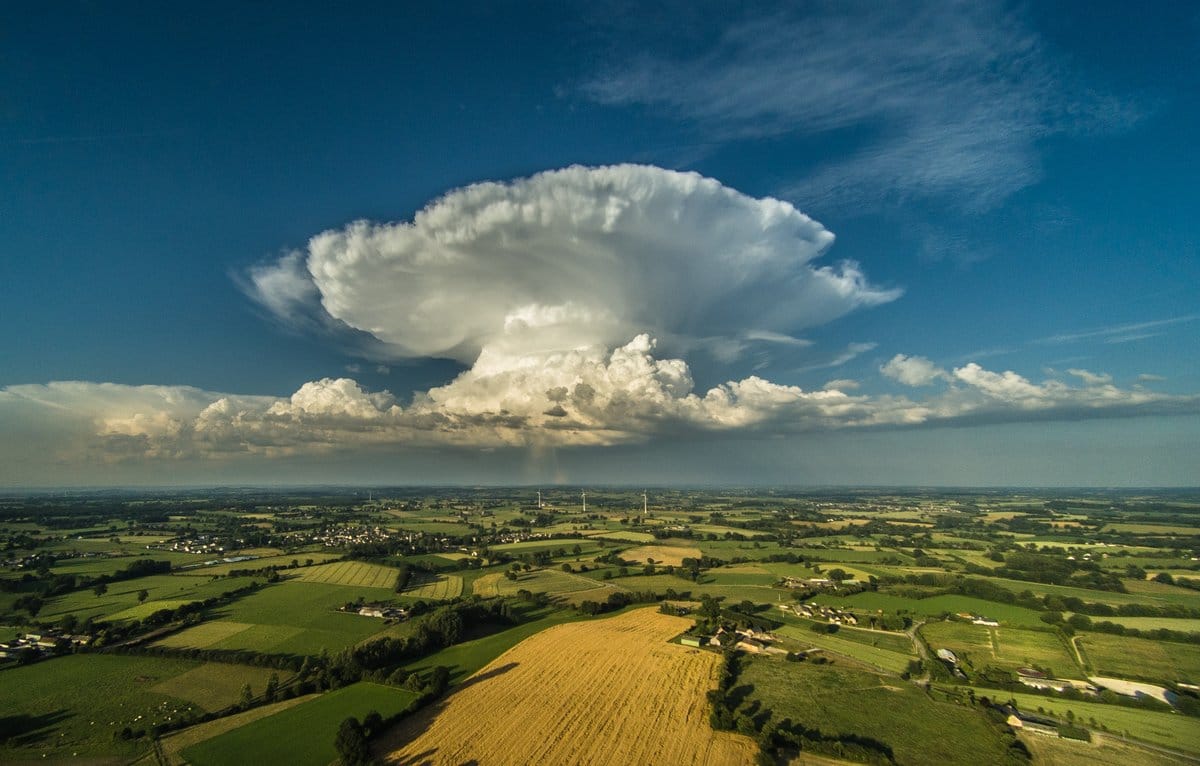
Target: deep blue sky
[(153, 153)]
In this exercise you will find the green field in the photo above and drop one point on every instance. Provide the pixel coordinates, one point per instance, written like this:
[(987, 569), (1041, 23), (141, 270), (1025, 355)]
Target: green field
[(802, 637), (978, 646), (1141, 658), (552, 581), (302, 735), (439, 587), (164, 590), (1166, 729), (357, 574), (935, 606), (841, 700), (75, 704), (287, 618), (283, 561)]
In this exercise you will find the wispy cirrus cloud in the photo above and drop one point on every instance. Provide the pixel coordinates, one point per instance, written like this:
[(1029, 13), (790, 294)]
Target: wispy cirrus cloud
[(941, 100), (1119, 333)]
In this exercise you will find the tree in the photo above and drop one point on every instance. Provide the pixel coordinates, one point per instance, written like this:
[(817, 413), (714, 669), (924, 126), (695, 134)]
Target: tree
[(247, 696), (100, 590), (143, 595), (351, 743), (272, 690)]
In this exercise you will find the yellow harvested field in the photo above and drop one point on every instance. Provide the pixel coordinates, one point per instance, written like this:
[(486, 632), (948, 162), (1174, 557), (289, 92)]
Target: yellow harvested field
[(436, 587), (355, 573), (597, 692), (670, 555)]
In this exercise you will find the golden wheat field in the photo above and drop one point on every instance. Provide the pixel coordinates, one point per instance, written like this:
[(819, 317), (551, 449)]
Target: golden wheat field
[(598, 692), (670, 555), (356, 573)]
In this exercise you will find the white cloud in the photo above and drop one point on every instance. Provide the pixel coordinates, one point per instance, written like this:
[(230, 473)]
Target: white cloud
[(589, 397), (912, 370), (953, 97), (571, 259), (1091, 378)]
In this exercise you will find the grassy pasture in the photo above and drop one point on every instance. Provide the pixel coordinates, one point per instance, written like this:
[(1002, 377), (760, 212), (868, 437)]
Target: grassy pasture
[(934, 606), (707, 585), (1166, 729), (123, 595), (828, 556), (892, 642), (302, 735), (203, 635), (292, 618), (1141, 658), (215, 685), (633, 537), (841, 700), (75, 704), (802, 637), (282, 561), (1004, 647), (358, 574), (550, 581), (440, 587)]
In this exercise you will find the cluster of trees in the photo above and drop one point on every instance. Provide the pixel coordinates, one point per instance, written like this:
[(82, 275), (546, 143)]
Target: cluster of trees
[(618, 600)]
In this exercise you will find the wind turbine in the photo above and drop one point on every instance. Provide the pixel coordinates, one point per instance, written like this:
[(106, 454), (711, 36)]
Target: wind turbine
[(585, 501)]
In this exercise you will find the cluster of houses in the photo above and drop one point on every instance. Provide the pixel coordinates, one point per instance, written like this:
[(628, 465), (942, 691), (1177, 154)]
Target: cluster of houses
[(813, 611), (32, 645), (349, 534), (381, 612), (819, 583), (748, 640), (197, 544)]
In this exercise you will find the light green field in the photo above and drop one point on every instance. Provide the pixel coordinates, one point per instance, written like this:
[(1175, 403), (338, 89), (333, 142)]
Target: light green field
[(1167, 729), (1181, 624), (215, 685), (760, 594), (282, 561), (289, 618), (439, 587), (1141, 658), (935, 606), (835, 699), (1005, 647), (532, 546), (124, 595), (357, 574), (550, 581), (1152, 529), (803, 638), (203, 635), (633, 537), (75, 704), (302, 735), (891, 641)]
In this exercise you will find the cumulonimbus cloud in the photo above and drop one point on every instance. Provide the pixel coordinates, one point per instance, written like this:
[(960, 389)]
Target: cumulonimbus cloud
[(570, 259)]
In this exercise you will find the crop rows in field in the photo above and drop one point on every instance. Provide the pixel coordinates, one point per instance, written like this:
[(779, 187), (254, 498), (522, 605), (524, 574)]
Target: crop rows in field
[(538, 581), (353, 573), (439, 587), (621, 694)]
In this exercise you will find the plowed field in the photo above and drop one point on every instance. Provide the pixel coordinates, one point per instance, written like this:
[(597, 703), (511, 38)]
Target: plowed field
[(599, 692)]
